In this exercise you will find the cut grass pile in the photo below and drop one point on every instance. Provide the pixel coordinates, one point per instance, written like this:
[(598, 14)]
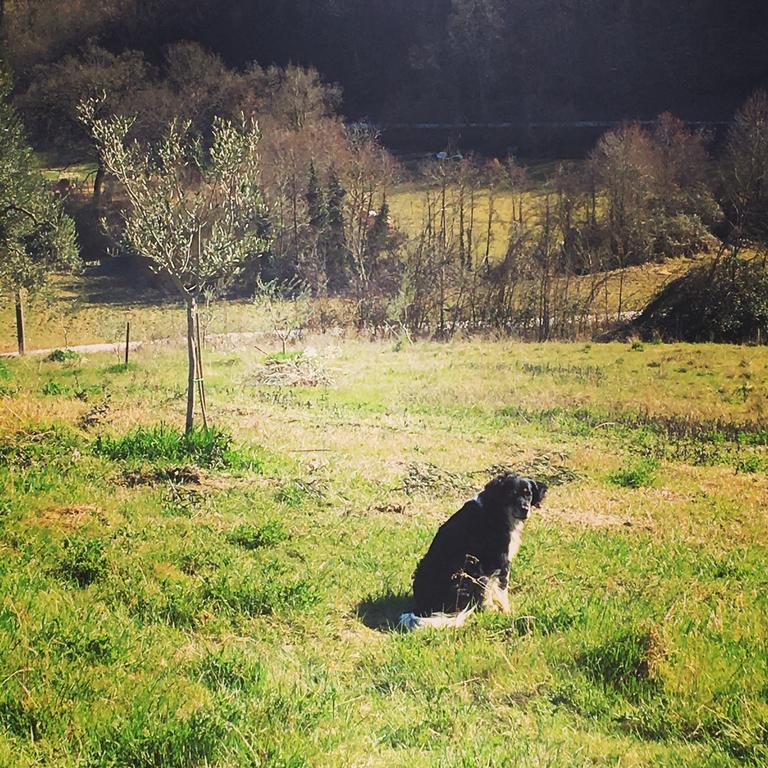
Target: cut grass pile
[(229, 598)]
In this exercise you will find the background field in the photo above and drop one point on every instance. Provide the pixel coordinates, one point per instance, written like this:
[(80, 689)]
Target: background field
[(172, 604)]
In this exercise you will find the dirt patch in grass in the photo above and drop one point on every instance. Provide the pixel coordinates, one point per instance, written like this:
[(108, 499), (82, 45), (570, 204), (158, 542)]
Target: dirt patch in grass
[(592, 518), (69, 517), (182, 475)]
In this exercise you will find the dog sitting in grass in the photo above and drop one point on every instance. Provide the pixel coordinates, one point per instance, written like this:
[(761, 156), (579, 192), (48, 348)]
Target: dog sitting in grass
[(467, 564)]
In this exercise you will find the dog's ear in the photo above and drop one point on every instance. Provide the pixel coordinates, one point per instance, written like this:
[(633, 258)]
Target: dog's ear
[(494, 490), (539, 491)]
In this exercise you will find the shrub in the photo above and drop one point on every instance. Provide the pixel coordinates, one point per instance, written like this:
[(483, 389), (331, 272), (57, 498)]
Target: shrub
[(727, 302), (63, 356)]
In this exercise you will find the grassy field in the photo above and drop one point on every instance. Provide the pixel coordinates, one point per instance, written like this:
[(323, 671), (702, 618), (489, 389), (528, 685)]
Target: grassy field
[(216, 602), (408, 211)]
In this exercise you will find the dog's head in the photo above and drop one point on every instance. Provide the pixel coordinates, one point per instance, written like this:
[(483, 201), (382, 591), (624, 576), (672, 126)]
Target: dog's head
[(514, 495)]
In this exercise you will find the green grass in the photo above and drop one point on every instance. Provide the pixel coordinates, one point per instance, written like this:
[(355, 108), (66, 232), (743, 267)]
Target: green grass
[(230, 598), (251, 536), (210, 447), (636, 475)]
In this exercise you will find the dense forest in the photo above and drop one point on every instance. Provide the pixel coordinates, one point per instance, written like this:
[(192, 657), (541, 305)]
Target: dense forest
[(443, 60)]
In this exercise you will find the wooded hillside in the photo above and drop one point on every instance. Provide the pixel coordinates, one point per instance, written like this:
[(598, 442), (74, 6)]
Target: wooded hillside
[(432, 60)]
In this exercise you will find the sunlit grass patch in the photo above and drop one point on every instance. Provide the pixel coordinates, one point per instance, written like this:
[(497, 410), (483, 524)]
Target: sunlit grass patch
[(210, 447), (161, 607), (639, 473), (249, 536)]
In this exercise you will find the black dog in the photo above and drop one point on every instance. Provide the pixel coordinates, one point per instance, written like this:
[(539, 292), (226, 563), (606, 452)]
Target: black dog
[(467, 565)]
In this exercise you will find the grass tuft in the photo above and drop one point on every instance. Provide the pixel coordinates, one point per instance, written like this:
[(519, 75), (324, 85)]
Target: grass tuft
[(230, 668), (211, 448), (248, 536), (117, 368), (260, 591), (82, 560), (149, 739), (639, 474), (53, 388), (41, 446), (63, 356), (624, 660)]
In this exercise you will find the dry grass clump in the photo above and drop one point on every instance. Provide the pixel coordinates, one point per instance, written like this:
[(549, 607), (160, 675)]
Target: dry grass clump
[(427, 478), (291, 370)]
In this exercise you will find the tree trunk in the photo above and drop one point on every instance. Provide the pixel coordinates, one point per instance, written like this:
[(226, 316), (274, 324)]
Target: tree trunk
[(98, 186), (192, 360), (20, 336)]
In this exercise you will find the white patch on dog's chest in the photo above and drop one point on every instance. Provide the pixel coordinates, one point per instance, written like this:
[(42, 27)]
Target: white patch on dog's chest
[(515, 539)]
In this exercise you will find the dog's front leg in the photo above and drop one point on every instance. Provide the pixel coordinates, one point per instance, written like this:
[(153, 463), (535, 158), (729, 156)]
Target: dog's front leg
[(502, 593), (502, 597), (495, 595)]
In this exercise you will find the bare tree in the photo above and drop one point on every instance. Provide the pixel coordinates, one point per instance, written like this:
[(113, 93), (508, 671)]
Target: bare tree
[(745, 175)]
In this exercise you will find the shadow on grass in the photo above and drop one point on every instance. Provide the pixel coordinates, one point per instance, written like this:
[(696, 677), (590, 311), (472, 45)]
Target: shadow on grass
[(382, 613), (119, 284)]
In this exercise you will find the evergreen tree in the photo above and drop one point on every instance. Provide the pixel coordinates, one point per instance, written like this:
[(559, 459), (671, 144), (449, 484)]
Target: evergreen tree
[(316, 207), (336, 251), (379, 239), (311, 263), (35, 234)]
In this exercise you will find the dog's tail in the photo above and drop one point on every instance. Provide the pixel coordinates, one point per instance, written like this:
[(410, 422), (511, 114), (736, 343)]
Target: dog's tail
[(410, 621)]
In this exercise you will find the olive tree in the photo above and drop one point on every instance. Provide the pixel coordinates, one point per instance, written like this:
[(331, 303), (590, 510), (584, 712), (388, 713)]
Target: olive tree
[(36, 237), (194, 212)]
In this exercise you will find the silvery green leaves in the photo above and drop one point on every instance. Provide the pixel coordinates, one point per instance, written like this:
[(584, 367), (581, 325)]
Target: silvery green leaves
[(195, 212), (35, 235)]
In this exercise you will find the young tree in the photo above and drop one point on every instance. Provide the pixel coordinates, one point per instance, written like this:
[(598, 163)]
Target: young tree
[(335, 246), (195, 214), (35, 235)]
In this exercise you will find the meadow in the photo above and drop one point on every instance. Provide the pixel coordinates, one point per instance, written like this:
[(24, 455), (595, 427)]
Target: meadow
[(231, 598)]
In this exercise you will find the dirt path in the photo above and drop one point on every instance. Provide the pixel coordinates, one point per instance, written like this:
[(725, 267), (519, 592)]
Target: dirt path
[(117, 347)]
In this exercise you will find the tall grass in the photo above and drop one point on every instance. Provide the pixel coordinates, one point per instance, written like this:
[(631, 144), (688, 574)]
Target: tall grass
[(211, 447)]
